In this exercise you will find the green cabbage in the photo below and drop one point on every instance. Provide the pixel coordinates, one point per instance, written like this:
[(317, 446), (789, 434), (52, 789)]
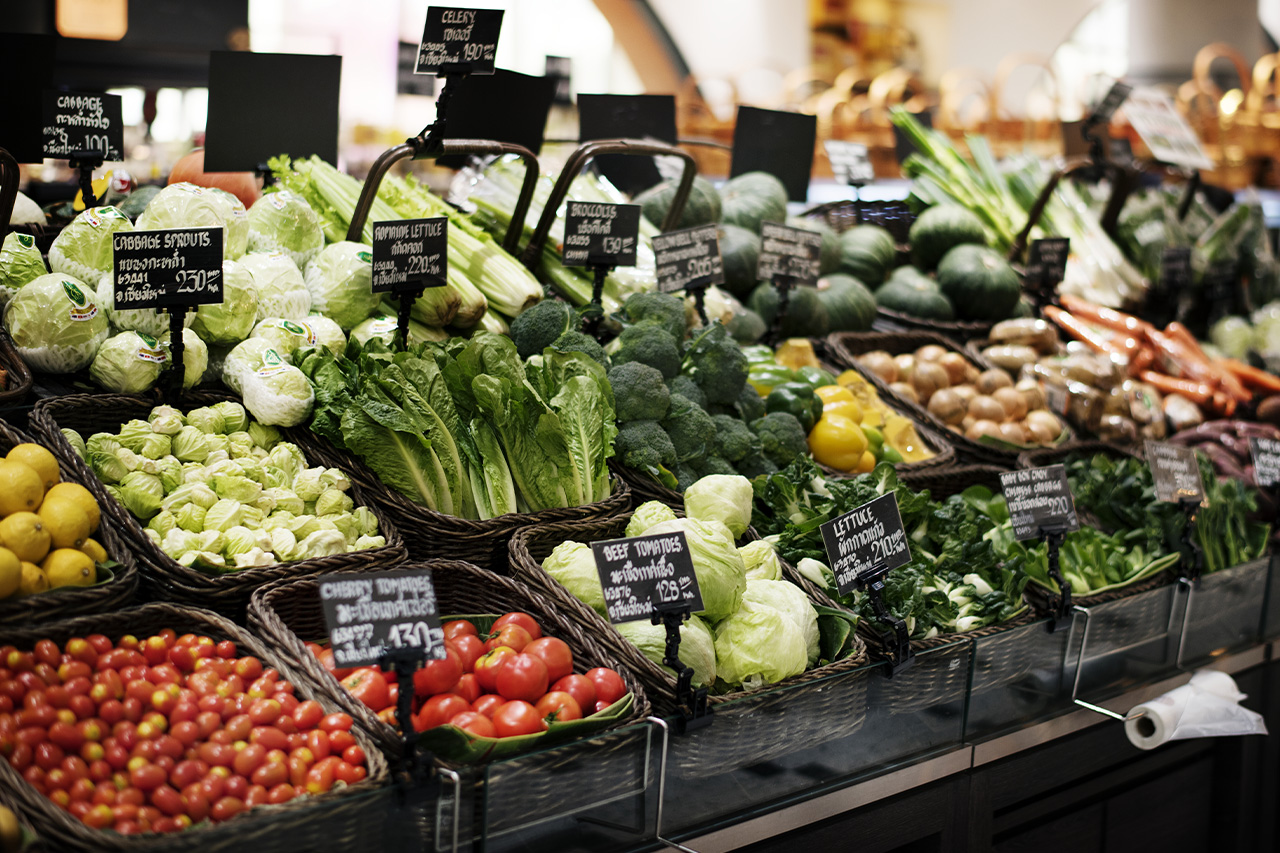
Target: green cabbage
[(759, 645), (647, 515), (722, 577), (229, 321), (572, 565), (340, 279), (761, 561), (148, 321), (282, 221), (162, 522), (245, 358), (383, 326), (141, 494), (281, 289), (56, 323), (166, 420), (321, 543), (128, 363), (195, 358), (697, 646), (791, 601), (20, 262), (185, 205), (223, 515), (278, 394), (83, 249), (234, 416), (726, 498), (236, 242), (288, 336)]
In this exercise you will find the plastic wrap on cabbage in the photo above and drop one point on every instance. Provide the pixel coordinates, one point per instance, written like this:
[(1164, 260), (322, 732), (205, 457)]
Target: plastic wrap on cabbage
[(282, 292), (288, 336), (231, 320), (697, 646), (20, 262), (277, 393), (758, 645), (383, 326), (147, 321), (282, 221), (83, 248), (791, 601), (244, 358), (340, 279), (128, 363), (185, 205), (56, 323), (726, 498), (722, 577)]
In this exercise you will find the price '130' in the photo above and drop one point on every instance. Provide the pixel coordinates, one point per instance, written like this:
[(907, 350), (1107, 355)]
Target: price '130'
[(410, 635)]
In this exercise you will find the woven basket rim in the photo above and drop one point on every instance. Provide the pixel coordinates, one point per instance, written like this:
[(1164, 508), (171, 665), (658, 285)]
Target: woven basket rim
[(17, 366)]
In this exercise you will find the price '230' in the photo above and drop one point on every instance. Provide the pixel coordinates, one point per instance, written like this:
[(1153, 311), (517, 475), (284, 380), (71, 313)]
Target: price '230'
[(193, 281)]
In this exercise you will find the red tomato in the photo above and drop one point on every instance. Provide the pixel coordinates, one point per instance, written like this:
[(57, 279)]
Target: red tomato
[(308, 714), (348, 773), (264, 712), (318, 743), (339, 741), (486, 669), (474, 723), (609, 685), (227, 808), (457, 628), (512, 636), (368, 686), (555, 653), (147, 776), (248, 668), (248, 759), (559, 707), (438, 676), (469, 647), (98, 817), (256, 796), (47, 651), (270, 737), (326, 660), (524, 620), (467, 687), (439, 710), (581, 688), (320, 777), (167, 800), (336, 722), (281, 793), (518, 718), (271, 774), (522, 677), (353, 755)]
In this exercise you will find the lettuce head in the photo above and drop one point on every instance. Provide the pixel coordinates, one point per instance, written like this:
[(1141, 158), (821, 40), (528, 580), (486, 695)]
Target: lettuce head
[(697, 646), (726, 498), (128, 363), (281, 290), (195, 357), (761, 561), (383, 326), (283, 222), (340, 279), (277, 393), (83, 249), (791, 601), (573, 566), (289, 336), (759, 645), (722, 577), (231, 320), (185, 205), (647, 515), (56, 323), (20, 262)]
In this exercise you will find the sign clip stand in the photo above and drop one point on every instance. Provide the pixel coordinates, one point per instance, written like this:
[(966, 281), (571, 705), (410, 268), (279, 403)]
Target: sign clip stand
[(593, 313), (406, 298), (700, 302), (900, 655), (1191, 509), (177, 348), (1053, 536), (415, 763), (783, 285), (695, 713), (85, 161)]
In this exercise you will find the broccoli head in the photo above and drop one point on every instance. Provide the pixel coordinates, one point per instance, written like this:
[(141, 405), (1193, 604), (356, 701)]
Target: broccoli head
[(781, 436), (685, 477), (685, 386), (649, 343), (714, 465), (575, 341), (691, 429), (755, 465), (734, 440), (717, 364), (643, 446), (639, 393), (538, 326), (750, 405), (662, 309)]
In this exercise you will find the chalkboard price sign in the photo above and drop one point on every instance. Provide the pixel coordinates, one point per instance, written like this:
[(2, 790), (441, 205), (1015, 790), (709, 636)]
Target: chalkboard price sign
[(688, 259), (868, 538), (410, 253), (793, 253), (162, 269), (1175, 471), (850, 162), (1047, 261), (1266, 462), (1039, 498), (642, 572), (1175, 269), (600, 234), (459, 41), (369, 614), (81, 121)]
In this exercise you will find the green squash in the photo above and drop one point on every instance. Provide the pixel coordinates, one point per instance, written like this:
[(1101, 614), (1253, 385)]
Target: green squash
[(806, 314), (867, 253), (740, 251), (939, 230), (911, 292), (829, 260), (702, 208), (753, 198), (979, 282), (850, 305)]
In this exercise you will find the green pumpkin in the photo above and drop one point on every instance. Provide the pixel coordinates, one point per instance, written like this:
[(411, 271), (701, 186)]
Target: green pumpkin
[(909, 291), (979, 282), (740, 251), (939, 230), (702, 207), (850, 305), (829, 259), (867, 253), (806, 314), (753, 198)]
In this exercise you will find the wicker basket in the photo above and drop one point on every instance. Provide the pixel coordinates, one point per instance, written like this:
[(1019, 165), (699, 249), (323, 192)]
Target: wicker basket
[(430, 535), (288, 614), (19, 380), (163, 578), (73, 601), (946, 482), (894, 216), (743, 732), (343, 818), (848, 346), (959, 330)]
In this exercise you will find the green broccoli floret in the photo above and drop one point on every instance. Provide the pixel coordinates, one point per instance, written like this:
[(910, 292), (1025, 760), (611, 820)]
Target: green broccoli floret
[(755, 465), (649, 343), (639, 394), (685, 386), (663, 309), (750, 405), (575, 341), (782, 437), (685, 477), (643, 446), (537, 327), (717, 364), (734, 440), (714, 465), (691, 429)]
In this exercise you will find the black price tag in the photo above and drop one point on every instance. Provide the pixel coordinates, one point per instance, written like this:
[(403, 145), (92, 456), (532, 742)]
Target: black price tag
[(560, 69), (1175, 471), (1116, 95), (596, 233), (777, 142), (642, 572), (850, 162), (791, 252), (1266, 462), (688, 259), (867, 538), (628, 117), (1038, 498), (1120, 151), (459, 41), (160, 269), (82, 121), (410, 253), (1047, 261), (368, 615), (1175, 269)]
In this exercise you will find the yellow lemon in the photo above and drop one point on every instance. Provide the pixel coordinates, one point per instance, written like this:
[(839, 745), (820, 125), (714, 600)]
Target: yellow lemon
[(10, 573), (69, 567), (21, 488), (24, 534), (67, 524), (33, 580), (10, 832), (81, 496), (38, 459), (95, 550)]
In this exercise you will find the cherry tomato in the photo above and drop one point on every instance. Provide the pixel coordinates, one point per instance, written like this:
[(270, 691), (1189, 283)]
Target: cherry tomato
[(336, 722), (47, 651), (237, 786), (559, 707), (167, 800), (438, 676), (320, 777), (486, 668), (147, 776), (524, 620), (340, 741), (581, 688), (281, 793), (318, 743), (458, 628), (609, 685), (467, 687), (512, 636), (326, 660), (353, 755), (186, 772), (98, 817), (270, 737), (271, 774), (308, 714), (227, 808), (522, 677), (249, 759), (368, 686), (438, 710), (264, 712), (473, 723), (348, 773), (555, 653), (518, 718)]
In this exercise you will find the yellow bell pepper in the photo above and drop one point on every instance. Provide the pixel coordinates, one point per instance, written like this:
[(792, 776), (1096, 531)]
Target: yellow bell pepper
[(796, 353), (837, 442), (833, 393), (845, 408), (866, 463), (900, 434)]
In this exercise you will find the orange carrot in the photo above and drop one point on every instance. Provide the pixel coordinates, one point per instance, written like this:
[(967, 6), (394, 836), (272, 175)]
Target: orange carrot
[(1142, 360), (1083, 332), (1251, 376), (1196, 392), (1181, 361), (1229, 383), (1109, 317)]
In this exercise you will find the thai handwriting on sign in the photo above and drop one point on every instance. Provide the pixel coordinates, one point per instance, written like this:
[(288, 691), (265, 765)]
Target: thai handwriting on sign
[(1266, 462), (641, 573), (159, 269), (81, 121), (459, 40), (1176, 472), (369, 615), (597, 233), (410, 253), (1175, 268), (867, 539), (849, 162), (1047, 261), (688, 259), (793, 253), (1039, 498)]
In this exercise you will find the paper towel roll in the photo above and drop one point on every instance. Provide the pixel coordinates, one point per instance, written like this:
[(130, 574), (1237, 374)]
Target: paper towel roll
[(1217, 683), (1205, 707)]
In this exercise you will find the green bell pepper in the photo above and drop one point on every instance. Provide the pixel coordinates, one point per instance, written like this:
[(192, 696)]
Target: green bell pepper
[(815, 377), (764, 377), (758, 354), (798, 399)]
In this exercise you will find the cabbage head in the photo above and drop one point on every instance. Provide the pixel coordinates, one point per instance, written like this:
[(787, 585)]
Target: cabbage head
[(573, 566), (281, 289), (234, 416), (84, 249), (697, 646), (128, 363), (20, 262), (195, 358), (340, 279), (185, 205), (141, 494), (791, 601), (231, 320), (647, 515), (726, 498), (148, 321), (761, 561), (236, 222), (759, 645), (56, 323), (283, 222), (245, 358), (289, 336), (722, 577), (278, 394)]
